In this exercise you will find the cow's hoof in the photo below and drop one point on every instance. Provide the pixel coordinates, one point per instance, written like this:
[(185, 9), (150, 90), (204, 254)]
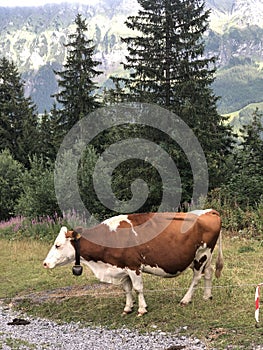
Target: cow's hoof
[(184, 303), (141, 313), (208, 298), (126, 312)]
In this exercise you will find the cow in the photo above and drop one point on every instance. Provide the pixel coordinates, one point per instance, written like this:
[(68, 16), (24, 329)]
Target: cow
[(164, 244)]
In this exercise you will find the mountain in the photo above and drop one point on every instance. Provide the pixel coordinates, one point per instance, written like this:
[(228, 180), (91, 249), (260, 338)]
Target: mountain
[(235, 13), (33, 38)]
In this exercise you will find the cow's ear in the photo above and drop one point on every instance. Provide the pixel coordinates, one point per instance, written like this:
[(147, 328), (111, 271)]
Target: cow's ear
[(74, 234), (69, 234)]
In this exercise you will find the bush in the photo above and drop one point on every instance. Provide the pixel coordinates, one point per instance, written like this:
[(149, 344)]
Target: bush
[(10, 178), (242, 221), (38, 198)]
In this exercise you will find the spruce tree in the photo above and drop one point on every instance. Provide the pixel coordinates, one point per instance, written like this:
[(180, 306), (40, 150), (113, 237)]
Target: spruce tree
[(50, 136), (18, 119), (168, 66), (76, 81)]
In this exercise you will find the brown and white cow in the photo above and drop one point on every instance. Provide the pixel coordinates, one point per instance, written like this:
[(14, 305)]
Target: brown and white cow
[(178, 240)]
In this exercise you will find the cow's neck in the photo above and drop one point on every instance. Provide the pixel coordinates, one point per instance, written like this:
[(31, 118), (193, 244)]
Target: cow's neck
[(77, 268)]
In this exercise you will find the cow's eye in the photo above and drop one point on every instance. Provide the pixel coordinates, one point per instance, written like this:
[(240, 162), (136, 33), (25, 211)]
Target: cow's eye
[(57, 246)]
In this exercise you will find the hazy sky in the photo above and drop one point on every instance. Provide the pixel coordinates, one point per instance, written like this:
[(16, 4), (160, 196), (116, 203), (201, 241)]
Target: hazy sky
[(5, 3)]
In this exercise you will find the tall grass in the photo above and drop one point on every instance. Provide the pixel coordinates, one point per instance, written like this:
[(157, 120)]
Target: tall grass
[(237, 221), (246, 222), (42, 228)]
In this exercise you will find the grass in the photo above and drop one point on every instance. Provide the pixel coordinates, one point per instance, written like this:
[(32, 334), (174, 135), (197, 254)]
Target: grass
[(226, 320), (22, 271), (17, 344)]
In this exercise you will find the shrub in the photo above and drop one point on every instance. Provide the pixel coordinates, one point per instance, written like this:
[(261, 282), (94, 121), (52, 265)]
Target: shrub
[(243, 221), (10, 178), (38, 198)]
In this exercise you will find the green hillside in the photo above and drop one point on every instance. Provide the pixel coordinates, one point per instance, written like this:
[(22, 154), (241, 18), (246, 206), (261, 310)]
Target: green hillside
[(243, 116), (239, 77)]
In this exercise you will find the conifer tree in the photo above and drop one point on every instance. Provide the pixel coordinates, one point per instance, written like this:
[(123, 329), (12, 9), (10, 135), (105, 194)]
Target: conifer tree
[(18, 119), (168, 66), (50, 136), (76, 81)]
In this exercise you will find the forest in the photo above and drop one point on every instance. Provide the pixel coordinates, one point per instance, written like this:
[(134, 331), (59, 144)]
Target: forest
[(166, 67)]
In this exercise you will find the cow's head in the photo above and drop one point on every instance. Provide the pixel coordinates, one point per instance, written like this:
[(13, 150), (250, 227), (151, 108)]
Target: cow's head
[(62, 252)]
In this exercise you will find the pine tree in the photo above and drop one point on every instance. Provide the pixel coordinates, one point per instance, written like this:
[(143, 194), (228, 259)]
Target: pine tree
[(50, 136), (76, 81), (18, 119), (167, 66)]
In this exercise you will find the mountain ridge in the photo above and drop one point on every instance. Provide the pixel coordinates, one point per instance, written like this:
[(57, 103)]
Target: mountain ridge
[(33, 38)]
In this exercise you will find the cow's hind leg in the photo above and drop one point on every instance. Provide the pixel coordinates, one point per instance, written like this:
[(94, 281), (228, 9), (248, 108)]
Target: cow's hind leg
[(208, 274), (127, 287), (202, 259), (138, 287)]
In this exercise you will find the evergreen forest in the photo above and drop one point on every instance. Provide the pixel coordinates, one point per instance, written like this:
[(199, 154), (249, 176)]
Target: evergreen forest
[(165, 66)]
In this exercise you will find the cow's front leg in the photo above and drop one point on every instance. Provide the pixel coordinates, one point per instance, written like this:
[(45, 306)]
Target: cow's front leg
[(127, 286), (137, 284)]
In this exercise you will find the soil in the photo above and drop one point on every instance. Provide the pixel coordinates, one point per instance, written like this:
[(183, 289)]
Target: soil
[(59, 294)]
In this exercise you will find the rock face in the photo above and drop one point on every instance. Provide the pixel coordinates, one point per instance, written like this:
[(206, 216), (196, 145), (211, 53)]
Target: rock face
[(240, 13), (33, 38)]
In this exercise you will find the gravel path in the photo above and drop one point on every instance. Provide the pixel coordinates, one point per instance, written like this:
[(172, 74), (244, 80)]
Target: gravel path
[(42, 334)]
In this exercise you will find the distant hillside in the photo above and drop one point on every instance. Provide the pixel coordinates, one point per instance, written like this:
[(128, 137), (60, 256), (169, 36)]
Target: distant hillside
[(243, 116), (34, 38)]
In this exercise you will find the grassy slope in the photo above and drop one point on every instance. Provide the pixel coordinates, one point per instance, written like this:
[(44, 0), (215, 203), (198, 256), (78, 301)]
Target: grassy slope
[(228, 319), (244, 115)]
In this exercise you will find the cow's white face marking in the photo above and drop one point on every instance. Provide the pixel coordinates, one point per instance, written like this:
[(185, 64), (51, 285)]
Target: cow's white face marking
[(114, 222), (61, 252)]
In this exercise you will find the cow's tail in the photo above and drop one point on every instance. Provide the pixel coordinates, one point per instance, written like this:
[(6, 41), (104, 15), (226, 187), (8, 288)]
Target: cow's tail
[(219, 260)]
